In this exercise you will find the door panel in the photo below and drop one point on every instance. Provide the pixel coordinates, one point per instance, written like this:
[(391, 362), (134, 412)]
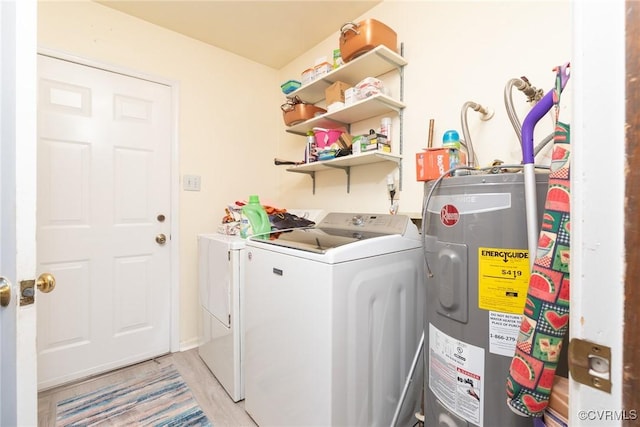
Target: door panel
[(67, 182), (65, 325), (104, 176), (18, 385)]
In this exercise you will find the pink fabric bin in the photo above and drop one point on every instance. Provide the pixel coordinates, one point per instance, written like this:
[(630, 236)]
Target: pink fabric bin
[(326, 137)]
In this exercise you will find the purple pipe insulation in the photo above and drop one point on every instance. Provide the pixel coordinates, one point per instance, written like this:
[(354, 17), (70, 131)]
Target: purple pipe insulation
[(536, 113), (541, 108)]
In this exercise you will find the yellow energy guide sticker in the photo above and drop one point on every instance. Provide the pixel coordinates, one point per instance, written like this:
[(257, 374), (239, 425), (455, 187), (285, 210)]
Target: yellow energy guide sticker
[(503, 279)]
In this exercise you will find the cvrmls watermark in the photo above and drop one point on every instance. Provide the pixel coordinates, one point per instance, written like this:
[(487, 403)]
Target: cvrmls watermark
[(608, 415)]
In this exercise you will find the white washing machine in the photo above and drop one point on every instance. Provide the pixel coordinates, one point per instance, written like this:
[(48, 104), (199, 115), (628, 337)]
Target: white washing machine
[(333, 318), (220, 282), (221, 287)]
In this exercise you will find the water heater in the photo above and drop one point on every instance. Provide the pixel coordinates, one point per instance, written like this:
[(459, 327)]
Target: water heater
[(475, 243)]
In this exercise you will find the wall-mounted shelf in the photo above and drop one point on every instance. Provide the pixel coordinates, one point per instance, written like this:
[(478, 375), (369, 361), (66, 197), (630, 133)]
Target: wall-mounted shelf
[(369, 107), (345, 163), (376, 62)]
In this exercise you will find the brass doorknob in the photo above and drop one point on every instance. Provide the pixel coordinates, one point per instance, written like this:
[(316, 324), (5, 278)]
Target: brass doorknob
[(161, 239), (46, 282), (5, 292)]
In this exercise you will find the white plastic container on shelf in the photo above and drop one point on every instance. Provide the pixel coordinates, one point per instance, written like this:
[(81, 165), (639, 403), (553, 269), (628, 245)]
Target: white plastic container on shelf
[(350, 96), (369, 86), (321, 69), (307, 76)]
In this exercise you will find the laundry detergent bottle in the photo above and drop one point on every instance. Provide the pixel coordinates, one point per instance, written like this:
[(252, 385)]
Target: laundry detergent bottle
[(255, 221)]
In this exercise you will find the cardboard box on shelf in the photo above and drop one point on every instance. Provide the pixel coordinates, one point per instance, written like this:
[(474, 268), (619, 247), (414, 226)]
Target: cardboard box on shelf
[(380, 141), (345, 140), (335, 92), (433, 162)]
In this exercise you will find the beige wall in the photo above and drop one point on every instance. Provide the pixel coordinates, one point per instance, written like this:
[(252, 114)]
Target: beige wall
[(457, 51), (230, 146)]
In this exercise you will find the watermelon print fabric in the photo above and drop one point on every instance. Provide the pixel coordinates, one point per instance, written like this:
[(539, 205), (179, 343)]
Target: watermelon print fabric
[(546, 311)]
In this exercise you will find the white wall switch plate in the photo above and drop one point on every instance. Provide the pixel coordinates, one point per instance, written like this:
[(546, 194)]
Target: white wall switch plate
[(191, 182)]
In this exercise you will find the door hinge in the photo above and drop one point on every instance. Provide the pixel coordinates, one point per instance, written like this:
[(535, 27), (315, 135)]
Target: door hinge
[(229, 320), (590, 364), (229, 255)]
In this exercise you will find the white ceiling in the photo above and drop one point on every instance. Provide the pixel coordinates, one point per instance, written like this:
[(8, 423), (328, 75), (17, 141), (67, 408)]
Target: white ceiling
[(270, 32)]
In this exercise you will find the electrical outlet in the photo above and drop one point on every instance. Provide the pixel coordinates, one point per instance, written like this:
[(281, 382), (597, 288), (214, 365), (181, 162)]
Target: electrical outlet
[(191, 182)]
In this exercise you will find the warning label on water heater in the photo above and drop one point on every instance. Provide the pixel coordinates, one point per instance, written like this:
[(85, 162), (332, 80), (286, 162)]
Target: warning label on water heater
[(503, 279), (503, 332), (456, 375)]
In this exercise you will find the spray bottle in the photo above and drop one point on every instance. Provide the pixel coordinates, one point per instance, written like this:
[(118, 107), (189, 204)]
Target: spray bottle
[(311, 148), (255, 221)]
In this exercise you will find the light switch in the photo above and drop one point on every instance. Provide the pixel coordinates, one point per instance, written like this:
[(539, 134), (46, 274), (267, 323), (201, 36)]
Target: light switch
[(191, 182)]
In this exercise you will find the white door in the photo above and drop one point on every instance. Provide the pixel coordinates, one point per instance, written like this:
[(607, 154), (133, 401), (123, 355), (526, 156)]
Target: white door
[(104, 143), (598, 205), (18, 393)]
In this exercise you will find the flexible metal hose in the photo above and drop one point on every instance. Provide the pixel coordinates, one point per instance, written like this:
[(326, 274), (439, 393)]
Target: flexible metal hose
[(508, 103), (486, 115), (533, 95), (547, 139)]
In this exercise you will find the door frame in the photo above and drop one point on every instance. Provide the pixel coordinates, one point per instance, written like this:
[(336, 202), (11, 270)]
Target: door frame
[(175, 176), (600, 209), (631, 384)]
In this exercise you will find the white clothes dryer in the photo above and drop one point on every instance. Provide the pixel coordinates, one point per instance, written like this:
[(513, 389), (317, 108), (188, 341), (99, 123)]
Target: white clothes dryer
[(334, 314), (220, 283)]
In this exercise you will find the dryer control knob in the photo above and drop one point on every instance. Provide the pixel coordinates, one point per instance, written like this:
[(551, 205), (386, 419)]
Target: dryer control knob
[(357, 220)]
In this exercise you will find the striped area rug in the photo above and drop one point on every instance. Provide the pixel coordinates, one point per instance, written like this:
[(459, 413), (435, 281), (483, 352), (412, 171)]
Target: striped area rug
[(159, 398)]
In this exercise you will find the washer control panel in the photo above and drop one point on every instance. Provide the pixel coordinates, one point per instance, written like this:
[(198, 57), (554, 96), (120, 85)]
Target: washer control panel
[(379, 223)]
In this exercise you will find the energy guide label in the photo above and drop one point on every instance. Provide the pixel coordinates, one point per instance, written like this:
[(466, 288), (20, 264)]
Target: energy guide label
[(503, 279), (456, 375)]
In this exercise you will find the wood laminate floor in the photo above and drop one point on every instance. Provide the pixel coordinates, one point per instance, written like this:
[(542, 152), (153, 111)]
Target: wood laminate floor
[(206, 389)]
